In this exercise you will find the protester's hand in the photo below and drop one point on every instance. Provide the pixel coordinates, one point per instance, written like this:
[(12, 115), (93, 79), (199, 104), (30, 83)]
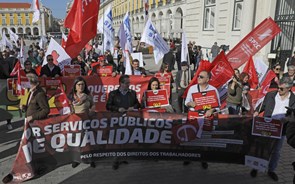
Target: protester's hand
[(130, 108), (191, 104), (114, 74), (255, 113), (235, 80), (121, 109), (209, 113), (143, 75), (29, 118)]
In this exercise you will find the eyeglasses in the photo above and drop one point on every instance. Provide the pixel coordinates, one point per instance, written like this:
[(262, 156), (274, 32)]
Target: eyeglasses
[(201, 77), (49, 59)]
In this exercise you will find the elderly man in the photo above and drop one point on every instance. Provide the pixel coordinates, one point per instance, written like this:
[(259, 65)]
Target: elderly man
[(37, 106), (290, 73), (274, 106)]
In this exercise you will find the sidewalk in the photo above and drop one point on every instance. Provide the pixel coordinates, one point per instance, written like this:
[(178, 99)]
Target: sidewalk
[(172, 172)]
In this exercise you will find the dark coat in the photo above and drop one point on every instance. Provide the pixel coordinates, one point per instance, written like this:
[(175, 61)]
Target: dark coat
[(45, 70), (115, 102), (290, 133), (38, 106)]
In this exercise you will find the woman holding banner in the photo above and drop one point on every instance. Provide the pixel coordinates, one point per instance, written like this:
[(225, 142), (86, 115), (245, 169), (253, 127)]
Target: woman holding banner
[(82, 104), (165, 72), (154, 86)]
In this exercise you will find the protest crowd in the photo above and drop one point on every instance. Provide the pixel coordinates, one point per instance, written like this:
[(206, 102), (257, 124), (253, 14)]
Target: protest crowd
[(202, 90)]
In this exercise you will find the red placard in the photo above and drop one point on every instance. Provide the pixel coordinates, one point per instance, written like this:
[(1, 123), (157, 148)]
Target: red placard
[(267, 127), (104, 71), (72, 70), (205, 100), (156, 98), (165, 83), (51, 85), (154, 110)]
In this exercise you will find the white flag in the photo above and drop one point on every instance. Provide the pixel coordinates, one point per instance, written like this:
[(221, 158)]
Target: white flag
[(22, 57), (36, 9), (260, 67), (128, 70), (61, 58), (5, 42), (184, 49), (13, 36), (152, 37), (127, 30), (105, 26), (42, 42)]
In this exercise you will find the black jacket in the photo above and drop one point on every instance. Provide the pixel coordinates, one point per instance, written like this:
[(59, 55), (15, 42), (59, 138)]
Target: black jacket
[(45, 70), (115, 100), (268, 104)]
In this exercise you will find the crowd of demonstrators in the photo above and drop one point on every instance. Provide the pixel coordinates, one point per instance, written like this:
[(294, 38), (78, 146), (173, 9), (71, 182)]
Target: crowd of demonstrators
[(273, 106), (165, 72), (82, 103)]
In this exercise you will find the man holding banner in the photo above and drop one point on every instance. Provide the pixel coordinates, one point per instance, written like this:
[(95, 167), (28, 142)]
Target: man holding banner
[(273, 106), (193, 102)]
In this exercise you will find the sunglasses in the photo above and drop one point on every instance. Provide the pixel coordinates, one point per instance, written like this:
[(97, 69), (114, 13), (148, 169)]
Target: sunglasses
[(278, 68), (49, 59), (281, 89), (201, 77)]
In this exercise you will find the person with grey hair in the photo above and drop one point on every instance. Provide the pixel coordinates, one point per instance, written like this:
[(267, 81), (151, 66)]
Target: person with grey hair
[(273, 106), (290, 73), (37, 106)]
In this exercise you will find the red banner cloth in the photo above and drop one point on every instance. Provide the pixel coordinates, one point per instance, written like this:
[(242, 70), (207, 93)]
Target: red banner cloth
[(253, 42), (82, 22)]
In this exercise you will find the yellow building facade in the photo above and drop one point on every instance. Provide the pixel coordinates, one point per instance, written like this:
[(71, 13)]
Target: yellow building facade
[(18, 17)]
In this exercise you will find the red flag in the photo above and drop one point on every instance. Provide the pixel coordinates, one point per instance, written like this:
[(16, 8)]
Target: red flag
[(250, 69), (61, 101), (82, 21), (63, 40), (221, 71), (38, 69), (204, 65), (16, 68), (258, 95), (253, 42), (21, 78)]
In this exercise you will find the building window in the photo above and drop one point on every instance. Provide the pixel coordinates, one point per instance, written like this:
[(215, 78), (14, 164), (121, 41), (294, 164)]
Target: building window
[(18, 14), (3, 21), (209, 14), (27, 14), (11, 22), (237, 15), (19, 21), (27, 22), (11, 15)]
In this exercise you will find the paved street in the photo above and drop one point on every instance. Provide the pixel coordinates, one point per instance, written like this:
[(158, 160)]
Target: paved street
[(162, 172)]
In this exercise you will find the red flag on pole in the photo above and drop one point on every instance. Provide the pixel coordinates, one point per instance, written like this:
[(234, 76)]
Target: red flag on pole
[(16, 68), (221, 71), (253, 42), (61, 101), (82, 22), (250, 69)]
